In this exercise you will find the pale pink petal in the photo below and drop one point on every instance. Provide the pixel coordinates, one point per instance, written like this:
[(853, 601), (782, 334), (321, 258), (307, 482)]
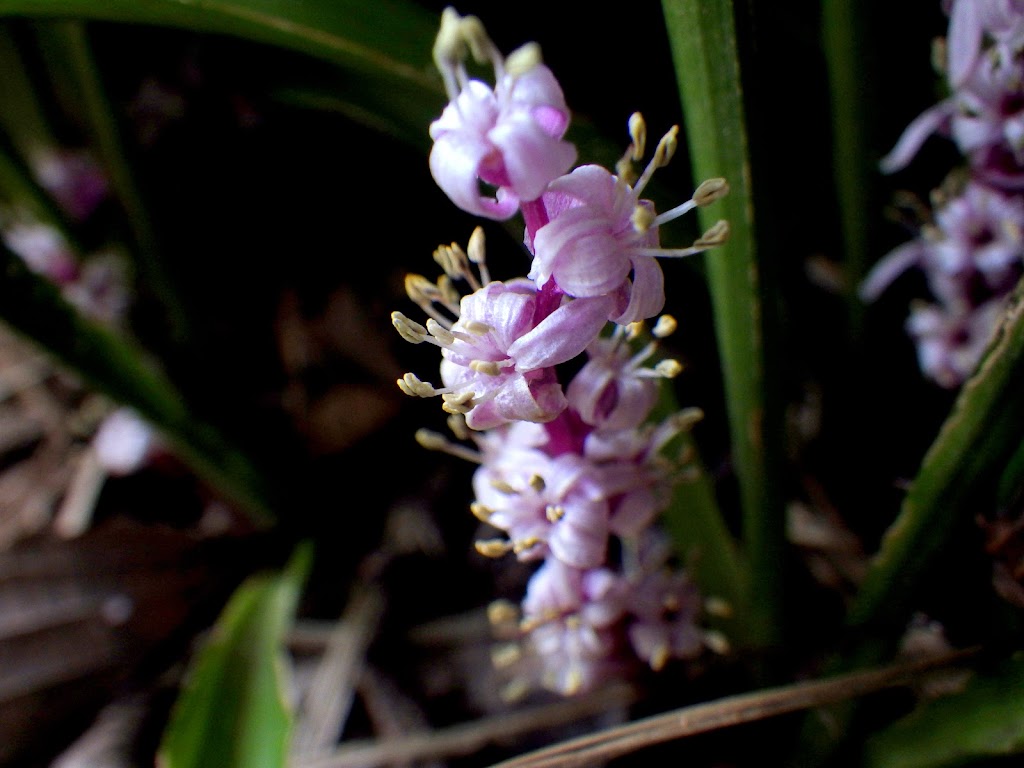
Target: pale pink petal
[(455, 161), (562, 335), (923, 126)]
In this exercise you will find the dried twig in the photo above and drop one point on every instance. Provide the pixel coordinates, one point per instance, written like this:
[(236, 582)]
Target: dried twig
[(724, 713), (467, 738)]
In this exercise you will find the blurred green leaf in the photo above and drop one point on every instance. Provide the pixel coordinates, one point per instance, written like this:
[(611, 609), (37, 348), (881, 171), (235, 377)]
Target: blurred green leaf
[(233, 711), (983, 430), (385, 45), (116, 366), (986, 719), (703, 38)]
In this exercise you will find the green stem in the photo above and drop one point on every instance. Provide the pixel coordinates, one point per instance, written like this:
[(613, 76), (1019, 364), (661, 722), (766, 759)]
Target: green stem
[(703, 38)]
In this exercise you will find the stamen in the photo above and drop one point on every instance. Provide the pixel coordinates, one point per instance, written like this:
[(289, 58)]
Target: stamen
[(449, 50), (554, 512), (481, 512), (537, 483), (477, 327), (444, 337), (642, 218), (523, 59), (449, 294), (574, 681), (633, 330), (518, 547), (716, 642), (717, 235), (489, 368), (457, 424), (493, 547), (674, 213), (638, 133), (503, 487), (711, 190), (476, 251), (434, 441), (718, 607), (662, 155), (669, 368), (410, 384), (480, 45), (505, 655), (660, 657), (408, 329), (664, 327), (501, 613), (452, 403)]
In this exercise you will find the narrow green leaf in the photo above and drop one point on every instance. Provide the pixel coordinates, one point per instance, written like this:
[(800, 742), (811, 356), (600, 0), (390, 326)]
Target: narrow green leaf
[(986, 719), (233, 711), (67, 52), (703, 41), (984, 428), (843, 45), (117, 367)]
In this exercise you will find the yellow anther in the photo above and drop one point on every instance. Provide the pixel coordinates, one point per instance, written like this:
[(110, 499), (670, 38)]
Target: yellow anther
[(480, 45), (408, 329), (669, 368), (457, 424), (717, 642), (493, 547), (665, 327), (448, 292), (503, 487), (431, 440), (486, 367), (524, 544), (505, 655), (554, 512), (439, 332), (711, 190), (481, 512), (420, 290), (718, 607), (717, 235), (537, 483), (449, 45), (642, 218), (638, 133), (502, 613), (476, 249), (667, 147), (523, 59), (461, 403), (477, 328), (573, 681), (410, 384), (660, 658), (633, 330)]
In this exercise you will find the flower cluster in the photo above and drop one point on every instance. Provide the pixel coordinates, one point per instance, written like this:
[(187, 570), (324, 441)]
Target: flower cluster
[(972, 253), (571, 477)]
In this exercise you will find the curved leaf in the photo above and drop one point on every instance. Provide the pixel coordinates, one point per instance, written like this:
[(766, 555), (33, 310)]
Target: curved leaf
[(233, 712), (986, 719)]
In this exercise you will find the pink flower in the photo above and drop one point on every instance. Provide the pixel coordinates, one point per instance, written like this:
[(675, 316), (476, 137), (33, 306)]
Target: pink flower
[(498, 362), (601, 240), (509, 138)]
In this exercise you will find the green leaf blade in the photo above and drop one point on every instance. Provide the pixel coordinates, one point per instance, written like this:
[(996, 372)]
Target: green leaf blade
[(703, 39), (985, 719), (233, 712)]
